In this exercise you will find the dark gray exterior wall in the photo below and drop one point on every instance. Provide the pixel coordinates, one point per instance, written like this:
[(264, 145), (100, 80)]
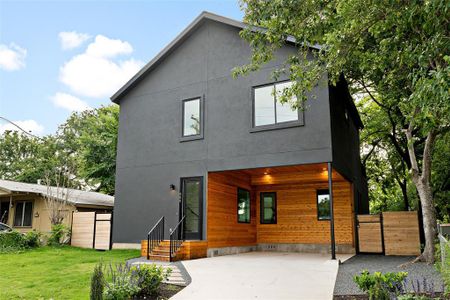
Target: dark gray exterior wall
[(150, 154), (345, 144)]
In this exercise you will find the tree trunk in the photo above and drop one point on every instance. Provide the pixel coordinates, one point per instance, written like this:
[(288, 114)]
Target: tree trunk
[(429, 219), (404, 186), (422, 181)]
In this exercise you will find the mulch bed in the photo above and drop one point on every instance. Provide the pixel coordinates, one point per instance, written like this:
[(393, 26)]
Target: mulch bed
[(166, 291)]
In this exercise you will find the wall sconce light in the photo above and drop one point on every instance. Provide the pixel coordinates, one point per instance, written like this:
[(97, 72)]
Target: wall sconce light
[(36, 215), (172, 187)]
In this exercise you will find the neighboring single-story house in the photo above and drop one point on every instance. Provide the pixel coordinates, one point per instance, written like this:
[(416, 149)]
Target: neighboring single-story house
[(23, 207)]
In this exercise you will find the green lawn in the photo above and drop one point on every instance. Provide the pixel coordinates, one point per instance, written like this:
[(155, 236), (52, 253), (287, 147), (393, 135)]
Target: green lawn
[(53, 273)]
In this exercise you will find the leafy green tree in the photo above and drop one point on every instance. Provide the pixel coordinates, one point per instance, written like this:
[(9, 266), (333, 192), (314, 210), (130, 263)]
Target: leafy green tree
[(391, 50), (26, 158), (91, 137)]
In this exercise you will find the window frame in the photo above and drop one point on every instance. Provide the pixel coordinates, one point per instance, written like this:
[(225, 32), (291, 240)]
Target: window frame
[(280, 125), (249, 206), (261, 208), (200, 135), (23, 214), (318, 193)]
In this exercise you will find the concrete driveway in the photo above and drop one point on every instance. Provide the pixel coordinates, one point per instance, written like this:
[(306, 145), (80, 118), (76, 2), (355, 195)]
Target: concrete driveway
[(262, 275)]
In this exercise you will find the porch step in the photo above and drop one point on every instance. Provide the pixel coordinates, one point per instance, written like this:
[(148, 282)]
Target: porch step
[(160, 252)]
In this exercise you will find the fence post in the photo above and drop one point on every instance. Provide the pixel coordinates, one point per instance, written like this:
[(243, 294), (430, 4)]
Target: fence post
[(444, 244)]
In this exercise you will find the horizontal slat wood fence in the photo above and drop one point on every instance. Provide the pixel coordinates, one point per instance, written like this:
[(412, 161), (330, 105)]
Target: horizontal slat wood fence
[(394, 233), (91, 230), (369, 234)]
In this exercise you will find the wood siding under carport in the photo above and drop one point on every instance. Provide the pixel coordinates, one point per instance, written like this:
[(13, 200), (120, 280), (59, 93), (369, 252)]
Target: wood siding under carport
[(297, 221)]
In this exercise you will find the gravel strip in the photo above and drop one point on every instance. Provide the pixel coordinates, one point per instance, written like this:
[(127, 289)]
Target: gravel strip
[(355, 265)]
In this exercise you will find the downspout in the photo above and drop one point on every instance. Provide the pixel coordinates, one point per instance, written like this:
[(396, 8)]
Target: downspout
[(330, 191)]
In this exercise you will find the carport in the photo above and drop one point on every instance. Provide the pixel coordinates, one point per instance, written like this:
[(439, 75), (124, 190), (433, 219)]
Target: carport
[(262, 275)]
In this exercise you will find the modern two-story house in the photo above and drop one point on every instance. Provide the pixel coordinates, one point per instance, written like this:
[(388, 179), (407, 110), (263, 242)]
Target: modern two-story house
[(219, 166)]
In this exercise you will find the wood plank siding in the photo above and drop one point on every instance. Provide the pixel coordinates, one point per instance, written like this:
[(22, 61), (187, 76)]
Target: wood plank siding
[(297, 220), (223, 227)]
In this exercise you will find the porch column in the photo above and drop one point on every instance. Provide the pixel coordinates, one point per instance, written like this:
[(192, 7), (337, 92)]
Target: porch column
[(330, 191)]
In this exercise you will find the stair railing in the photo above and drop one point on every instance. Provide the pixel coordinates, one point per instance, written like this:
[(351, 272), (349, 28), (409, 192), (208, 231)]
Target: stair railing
[(155, 236), (176, 238)]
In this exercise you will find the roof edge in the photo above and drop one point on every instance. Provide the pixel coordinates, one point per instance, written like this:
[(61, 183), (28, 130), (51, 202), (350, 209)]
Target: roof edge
[(205, 15)]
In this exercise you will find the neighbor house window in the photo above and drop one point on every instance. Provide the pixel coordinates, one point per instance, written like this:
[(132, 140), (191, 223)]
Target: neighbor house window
[(268, 208), (192, 117), (243, 206), (24, 213), (323, 205), (267, 108)]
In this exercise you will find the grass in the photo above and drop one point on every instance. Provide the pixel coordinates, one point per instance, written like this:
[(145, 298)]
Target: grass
[(53, 273)]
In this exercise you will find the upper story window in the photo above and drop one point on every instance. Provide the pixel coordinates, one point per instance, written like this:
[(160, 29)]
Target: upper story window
[(267, 110), (192, 115)]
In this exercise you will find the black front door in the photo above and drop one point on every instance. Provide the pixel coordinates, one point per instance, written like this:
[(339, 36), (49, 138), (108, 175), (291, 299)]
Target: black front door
[(192, 207)]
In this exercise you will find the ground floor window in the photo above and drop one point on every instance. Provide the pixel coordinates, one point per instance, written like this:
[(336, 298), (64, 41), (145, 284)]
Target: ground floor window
[(4, 211), (243, 206), (24, 213), (268, 208), (323, 205)]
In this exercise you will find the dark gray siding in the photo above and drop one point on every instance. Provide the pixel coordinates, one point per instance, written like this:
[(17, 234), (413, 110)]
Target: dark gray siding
[(345, 141), (150, 154)]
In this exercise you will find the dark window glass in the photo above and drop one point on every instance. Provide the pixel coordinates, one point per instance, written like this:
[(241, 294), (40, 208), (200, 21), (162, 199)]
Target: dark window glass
[(193, 209), (243, 206), (28, 214), (24, 214), (268, 208), (4, 212), (323, 205), (191, 117), (18, 215), (268, 110)]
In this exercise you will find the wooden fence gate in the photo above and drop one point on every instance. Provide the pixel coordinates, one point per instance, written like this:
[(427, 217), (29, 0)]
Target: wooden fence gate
[(391, 233), (91, 230)]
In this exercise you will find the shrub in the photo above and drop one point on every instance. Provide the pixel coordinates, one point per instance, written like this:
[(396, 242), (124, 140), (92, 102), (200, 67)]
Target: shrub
[(122, 291), (15, 241), (59, 232), (11, 241), (380, 286), (97, 283), (150, 278), (123, 283), (33, 239)]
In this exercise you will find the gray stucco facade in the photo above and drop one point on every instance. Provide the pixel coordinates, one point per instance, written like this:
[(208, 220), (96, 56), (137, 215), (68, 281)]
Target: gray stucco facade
[(152, 153)]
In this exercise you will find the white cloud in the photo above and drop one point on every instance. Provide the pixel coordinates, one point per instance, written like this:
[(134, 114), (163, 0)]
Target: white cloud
[(12, 57), (30, 126), (72, 39), (106, 47), (95, 73), (69, 102)]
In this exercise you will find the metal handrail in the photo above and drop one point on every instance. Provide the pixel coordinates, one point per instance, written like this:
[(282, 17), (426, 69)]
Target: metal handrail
[(176, 238), (155, 236)]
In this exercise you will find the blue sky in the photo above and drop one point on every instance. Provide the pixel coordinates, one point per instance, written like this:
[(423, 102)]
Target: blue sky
[(59, 56)]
